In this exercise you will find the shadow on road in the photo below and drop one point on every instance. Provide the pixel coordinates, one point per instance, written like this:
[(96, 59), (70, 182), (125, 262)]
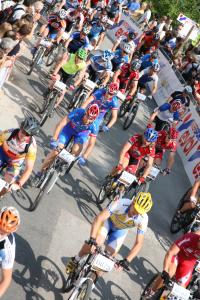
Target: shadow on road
[(36, 273)]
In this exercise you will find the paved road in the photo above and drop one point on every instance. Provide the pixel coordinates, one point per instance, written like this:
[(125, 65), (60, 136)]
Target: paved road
[(57, 229)]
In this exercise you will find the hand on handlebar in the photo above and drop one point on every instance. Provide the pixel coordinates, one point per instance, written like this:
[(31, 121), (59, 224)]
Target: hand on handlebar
[(105, 128), (123, 264), (92, 242), (14, 187)]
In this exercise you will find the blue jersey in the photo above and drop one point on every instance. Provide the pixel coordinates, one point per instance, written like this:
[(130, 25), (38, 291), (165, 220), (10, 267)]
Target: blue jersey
[(76, 122), (104, 104), (96, 29), (99, 64), (118, 59), (164, 113), (76, 43), (146, 61)]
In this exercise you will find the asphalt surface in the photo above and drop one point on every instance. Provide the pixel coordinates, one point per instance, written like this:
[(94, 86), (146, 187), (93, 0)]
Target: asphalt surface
[(56, 230)]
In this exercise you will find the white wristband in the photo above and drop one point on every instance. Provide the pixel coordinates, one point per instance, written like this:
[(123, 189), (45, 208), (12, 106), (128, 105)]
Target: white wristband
[(193, 199)]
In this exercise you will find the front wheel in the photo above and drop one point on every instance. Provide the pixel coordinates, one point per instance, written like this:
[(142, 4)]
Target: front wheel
[(130, 118), (105, 191), (123, 109), (49, 107), (52, 56), (156, 296), (76, 98), (85, 290), (36, 60)]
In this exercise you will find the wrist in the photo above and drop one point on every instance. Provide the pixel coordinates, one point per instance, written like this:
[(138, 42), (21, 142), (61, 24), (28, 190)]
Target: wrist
[(19, 183)]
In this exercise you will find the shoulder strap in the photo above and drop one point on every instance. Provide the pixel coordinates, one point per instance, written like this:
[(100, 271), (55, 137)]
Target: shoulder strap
[(13, 134), (11, 238)]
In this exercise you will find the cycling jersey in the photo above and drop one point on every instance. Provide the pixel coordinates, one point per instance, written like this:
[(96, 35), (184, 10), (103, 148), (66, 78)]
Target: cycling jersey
[(72, 3), (187, 257), (145, 77), (164, 113), (126, 75), (119, 59), (7, 254), (56, 23), (131, 43), (76, 43), (113, 10), (178, 95), (146, 63), (99, 64), (71, 17), (15, 150), (96, 29), (104, 104), (70, 67), (161, 144), (138, 150), (117, 226)]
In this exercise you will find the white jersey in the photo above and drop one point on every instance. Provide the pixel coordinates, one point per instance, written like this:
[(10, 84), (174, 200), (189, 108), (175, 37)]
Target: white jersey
[(120, 219), (7, 255)]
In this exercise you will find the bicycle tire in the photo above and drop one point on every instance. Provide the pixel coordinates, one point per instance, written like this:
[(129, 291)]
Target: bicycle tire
[(51, 53), (49, 107), (157, 295), (85, 290), (100, 199), (36, 59), (68, 285), (75, 97), (123, 109), (130, 118), (80, 100)]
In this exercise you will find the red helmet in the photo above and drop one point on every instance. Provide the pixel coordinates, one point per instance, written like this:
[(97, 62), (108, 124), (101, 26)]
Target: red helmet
[(92, 111), (176, 105), (113, 88), (173, 133)]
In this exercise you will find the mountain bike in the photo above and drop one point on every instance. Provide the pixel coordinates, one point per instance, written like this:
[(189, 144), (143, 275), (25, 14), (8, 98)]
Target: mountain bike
[(81, 93), (61, 166), (83, 279), (115, 187), (51, 100), (130, 109), (45, 44)]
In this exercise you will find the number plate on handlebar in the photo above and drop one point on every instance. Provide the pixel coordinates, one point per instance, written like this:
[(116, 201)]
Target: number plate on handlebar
[(45, 43), (179, 292), (141, 97), (3, 184), (127, 178), (121, 96), (66, 156), (89, 84), (59, 85), (103, 263), (154, 172)]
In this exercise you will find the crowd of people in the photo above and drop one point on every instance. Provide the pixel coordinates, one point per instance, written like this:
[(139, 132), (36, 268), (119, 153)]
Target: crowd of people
[(131, 66)]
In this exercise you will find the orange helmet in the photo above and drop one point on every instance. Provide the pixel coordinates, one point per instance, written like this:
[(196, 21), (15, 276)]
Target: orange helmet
[(9, 219)]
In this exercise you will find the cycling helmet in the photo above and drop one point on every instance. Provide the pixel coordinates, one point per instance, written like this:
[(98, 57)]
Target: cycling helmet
[(30, 125), (108, 55), (113, 88), (187, 89), (82, 54), (9, 219), (127, 48), (154, 54), (135, 65), (151, 135), (156, 67), (104, 19), (92, 111), (131, 34), (143, 202), (86, 30), (173, 133), (176, 105), (62, 14), (155, 29), (156, 37)]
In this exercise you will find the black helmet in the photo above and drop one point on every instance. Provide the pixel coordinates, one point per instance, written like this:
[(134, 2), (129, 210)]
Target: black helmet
[(30, 125), (132, 34), (154, 54)]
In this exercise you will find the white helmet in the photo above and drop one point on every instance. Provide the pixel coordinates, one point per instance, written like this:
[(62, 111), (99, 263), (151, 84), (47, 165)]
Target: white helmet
[(188, 89), (62, 13), (127, 48)]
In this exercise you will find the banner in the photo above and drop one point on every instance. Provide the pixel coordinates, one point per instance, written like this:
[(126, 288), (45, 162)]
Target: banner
[(189, 127)]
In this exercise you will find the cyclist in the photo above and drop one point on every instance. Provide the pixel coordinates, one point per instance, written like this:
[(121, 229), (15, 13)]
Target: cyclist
[(138, 147), (68, 68), (149, 39), (121, 56), (149, 75), (111, 226), (74, 15), (179, 261), (54, 29), (166, 113), (194, 198), (18, 147), (107, 100), (167, 140), (114, 10), (78, 124), (78, 40), (97, 31), (148, 60), (128, 76), (182, 96), (129, 39), (9, 223)]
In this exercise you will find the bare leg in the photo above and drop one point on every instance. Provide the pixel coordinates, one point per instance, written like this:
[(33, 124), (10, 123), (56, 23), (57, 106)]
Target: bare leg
[(49, 160), (76, 149)]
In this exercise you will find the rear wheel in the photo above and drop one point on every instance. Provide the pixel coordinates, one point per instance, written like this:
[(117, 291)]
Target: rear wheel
[(130, 118), (36, 60), (52, 56), (123, 109)]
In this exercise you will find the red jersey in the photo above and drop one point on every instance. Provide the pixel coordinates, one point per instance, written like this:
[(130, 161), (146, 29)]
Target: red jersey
[(188, 245), (161, 143), (127, 75), (56, 22), (138, 150)]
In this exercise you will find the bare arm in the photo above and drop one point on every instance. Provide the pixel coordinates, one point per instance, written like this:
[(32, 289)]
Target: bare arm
[(148, 167), (29, 164), (125, 149), (113, 119), (195, 188), (136, 248), (174, 250), (6, 280), (102, 217), (171, 159), (87, 101), (116, 75), (59, 127), (154, 114), (133, 89)]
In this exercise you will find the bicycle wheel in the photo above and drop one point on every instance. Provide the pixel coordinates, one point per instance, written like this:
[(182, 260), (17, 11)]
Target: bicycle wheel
[(37, 58), (156, 296), (75, 98), (130, 118), (80, 100), (52, 181), (85, 290), (51, 101), (123, 109), (69, 283), (175, 225), (104, 191), (51, 56)]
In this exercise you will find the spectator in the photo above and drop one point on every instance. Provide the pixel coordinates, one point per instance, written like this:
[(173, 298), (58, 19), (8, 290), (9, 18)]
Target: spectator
[(144, 19), (19, 11), (196, 89), (139, 12), (168, 24), (4, 28), (133, 5)]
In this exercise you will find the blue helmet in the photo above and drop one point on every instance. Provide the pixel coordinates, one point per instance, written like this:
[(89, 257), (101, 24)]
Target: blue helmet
[(151, 135), (108, 55)]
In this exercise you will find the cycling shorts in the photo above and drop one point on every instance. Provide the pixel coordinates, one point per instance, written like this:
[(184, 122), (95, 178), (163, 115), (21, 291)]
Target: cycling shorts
[(52, 32), (133, 162), (115, 237), (12, 168), (64, 77), (159, 154), (68, 132), (184, 269)]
